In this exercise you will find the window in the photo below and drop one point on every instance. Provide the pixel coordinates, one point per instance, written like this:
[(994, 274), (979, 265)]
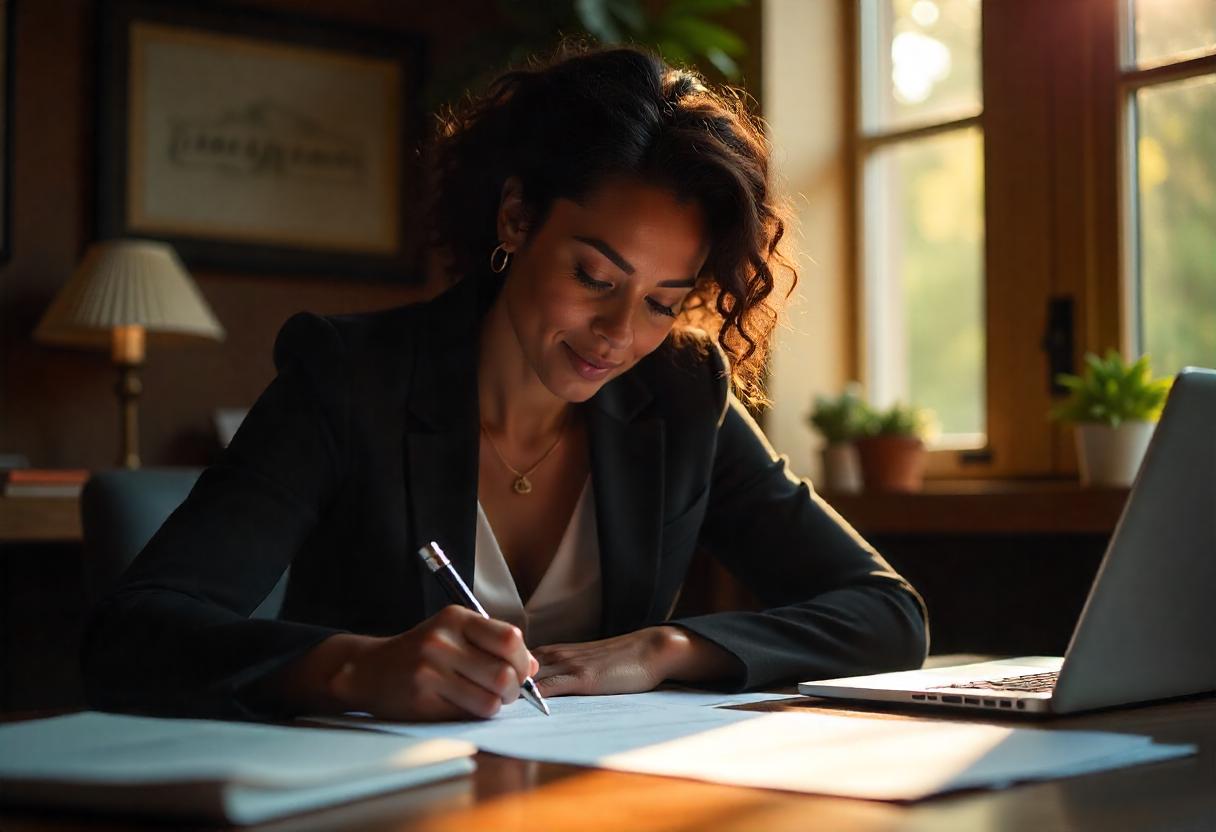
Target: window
[(1034, 180), (1169, 89), (920, 148)]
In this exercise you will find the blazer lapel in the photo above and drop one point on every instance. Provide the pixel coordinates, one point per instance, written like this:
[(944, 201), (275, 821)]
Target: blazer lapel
[(627, 473), (441, 447), (441, 441)]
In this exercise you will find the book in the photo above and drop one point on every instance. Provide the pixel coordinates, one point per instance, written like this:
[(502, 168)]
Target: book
[(10, 461), (230, 772), (45, 482)]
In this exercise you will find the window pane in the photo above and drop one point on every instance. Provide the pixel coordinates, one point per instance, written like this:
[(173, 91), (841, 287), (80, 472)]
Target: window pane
[(924, 278), (1177, 216), (920, 62), (1174, 29)]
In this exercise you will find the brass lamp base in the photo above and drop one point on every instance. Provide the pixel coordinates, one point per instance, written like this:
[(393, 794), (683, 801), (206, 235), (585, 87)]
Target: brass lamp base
[(129, 389)]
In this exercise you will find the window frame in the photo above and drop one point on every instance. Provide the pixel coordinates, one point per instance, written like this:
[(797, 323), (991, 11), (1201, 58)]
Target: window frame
[(1059, 201), (1132, 79), (866, 145)]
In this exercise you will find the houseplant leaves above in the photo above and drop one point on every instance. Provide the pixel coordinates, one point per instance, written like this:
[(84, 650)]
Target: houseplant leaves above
[(1111, 392), (1114, 406), (840, 418)]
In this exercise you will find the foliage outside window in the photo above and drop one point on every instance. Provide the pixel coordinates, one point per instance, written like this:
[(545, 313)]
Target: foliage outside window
[(921, 149), (1170, 80)]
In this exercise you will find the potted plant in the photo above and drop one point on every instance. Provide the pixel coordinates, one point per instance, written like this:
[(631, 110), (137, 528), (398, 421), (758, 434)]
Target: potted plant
[(840, 420), (892, 450), (1114, 407)]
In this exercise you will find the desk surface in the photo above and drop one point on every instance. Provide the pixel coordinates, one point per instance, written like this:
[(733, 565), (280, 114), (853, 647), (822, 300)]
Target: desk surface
[(507, 794), (40, 520)]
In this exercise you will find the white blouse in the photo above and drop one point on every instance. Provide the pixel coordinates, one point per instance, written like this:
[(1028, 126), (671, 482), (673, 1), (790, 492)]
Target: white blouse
[(565, 606)]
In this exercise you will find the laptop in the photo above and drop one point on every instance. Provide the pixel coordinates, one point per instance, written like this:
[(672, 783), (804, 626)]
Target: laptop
[(1148, 628)]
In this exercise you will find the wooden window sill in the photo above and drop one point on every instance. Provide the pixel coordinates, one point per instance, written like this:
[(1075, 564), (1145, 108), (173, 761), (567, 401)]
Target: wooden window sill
[(985, 507)]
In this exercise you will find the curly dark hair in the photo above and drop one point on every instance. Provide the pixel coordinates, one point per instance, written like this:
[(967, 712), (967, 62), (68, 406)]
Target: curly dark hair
[(589, 115)]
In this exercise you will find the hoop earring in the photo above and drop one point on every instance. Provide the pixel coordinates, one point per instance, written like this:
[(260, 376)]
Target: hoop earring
[(499, 258)]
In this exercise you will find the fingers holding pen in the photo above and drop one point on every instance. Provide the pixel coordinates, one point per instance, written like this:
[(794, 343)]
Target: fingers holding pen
[(498, 638), (495, 638), (457, 653), (455, 664)]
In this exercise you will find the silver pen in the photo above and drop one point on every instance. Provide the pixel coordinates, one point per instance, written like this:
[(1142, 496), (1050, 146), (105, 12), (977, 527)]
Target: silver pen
[(439, 565)]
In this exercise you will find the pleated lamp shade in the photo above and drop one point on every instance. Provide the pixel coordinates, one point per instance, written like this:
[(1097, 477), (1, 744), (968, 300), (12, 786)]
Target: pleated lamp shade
[(122, 283)]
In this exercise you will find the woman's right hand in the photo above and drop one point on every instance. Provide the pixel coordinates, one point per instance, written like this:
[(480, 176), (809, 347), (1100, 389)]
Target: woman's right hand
[(456, 664)]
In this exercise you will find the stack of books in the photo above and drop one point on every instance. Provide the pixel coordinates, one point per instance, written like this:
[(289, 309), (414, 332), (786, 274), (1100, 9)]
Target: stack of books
[(45, 482)]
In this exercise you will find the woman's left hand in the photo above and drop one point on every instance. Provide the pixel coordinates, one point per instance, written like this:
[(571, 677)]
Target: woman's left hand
[(632, 663)]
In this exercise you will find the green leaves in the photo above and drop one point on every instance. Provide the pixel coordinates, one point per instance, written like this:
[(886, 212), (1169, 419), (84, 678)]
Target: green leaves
[(901, 420), (842, 418), (1111, 392), (695, 36), (603, 19), (687, 7), (682, 31), (848, 417), (679, 31)]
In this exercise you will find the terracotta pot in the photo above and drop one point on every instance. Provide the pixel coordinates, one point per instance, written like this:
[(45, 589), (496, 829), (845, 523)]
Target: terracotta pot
[(1109, 456), (892, 463), (841, 471)]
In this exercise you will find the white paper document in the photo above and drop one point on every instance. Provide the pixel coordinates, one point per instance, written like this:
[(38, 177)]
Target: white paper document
[(236, 772), (600, 723), (884, 759), (563, 708), (847, 755)]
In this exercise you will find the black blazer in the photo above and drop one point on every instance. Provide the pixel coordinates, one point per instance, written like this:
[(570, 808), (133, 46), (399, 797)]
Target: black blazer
[(365, 446)]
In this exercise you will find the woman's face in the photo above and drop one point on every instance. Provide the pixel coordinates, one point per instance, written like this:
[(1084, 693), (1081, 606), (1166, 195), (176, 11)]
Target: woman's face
[(597, 287)]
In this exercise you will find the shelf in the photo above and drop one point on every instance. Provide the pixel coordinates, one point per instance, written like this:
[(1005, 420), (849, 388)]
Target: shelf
[(954, 507), (40, 520), (985, 507)]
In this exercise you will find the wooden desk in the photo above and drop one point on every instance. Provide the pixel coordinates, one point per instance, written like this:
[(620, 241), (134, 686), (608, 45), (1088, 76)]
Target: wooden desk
[(506, 795), (40, 520), (42, 597)]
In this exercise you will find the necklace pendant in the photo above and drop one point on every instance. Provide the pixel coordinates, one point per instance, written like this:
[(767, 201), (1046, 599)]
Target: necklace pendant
[(522, 485)]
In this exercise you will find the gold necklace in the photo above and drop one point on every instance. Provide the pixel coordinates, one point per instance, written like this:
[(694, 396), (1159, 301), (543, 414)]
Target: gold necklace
[(522, 484)]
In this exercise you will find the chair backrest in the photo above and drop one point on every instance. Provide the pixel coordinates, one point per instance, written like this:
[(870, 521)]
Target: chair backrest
[(120, 510)]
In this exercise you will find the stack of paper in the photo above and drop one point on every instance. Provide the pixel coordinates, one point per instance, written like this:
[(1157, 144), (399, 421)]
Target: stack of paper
[(847, 755), (227, 771)]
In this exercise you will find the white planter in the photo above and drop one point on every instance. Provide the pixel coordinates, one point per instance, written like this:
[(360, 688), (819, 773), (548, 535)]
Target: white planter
[(841, 470), (1111, 456)]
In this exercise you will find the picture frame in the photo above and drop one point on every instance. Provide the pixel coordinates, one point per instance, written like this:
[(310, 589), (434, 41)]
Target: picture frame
[(258, 142)]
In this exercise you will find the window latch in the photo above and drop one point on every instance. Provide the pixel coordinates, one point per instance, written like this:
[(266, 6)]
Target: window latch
[(1058, 341)]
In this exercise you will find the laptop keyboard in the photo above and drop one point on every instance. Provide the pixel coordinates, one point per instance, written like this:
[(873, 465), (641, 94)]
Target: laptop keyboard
[(1032, 683)]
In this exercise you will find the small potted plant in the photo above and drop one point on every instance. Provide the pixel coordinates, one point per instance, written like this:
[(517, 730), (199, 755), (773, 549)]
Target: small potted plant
[(1114, 407), (840, 420), (892, 451)]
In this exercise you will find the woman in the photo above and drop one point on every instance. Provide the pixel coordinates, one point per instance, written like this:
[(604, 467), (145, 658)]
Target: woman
[(552, 420)]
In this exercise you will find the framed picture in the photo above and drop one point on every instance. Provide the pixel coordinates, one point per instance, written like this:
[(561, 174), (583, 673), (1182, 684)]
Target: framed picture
[(7, 20), (258, 142)]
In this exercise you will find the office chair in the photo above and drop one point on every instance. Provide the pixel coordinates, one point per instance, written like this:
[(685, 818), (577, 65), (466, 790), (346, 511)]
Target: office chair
[(120, 510)]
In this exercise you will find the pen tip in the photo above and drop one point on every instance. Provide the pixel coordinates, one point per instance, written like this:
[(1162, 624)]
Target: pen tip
[(530, 693)]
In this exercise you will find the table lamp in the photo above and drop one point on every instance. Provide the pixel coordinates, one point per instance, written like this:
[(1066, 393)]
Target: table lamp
[(123, 292)]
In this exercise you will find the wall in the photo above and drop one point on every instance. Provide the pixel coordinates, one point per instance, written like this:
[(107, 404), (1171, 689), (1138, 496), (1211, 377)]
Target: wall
[(805, 96), (57, 406)]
